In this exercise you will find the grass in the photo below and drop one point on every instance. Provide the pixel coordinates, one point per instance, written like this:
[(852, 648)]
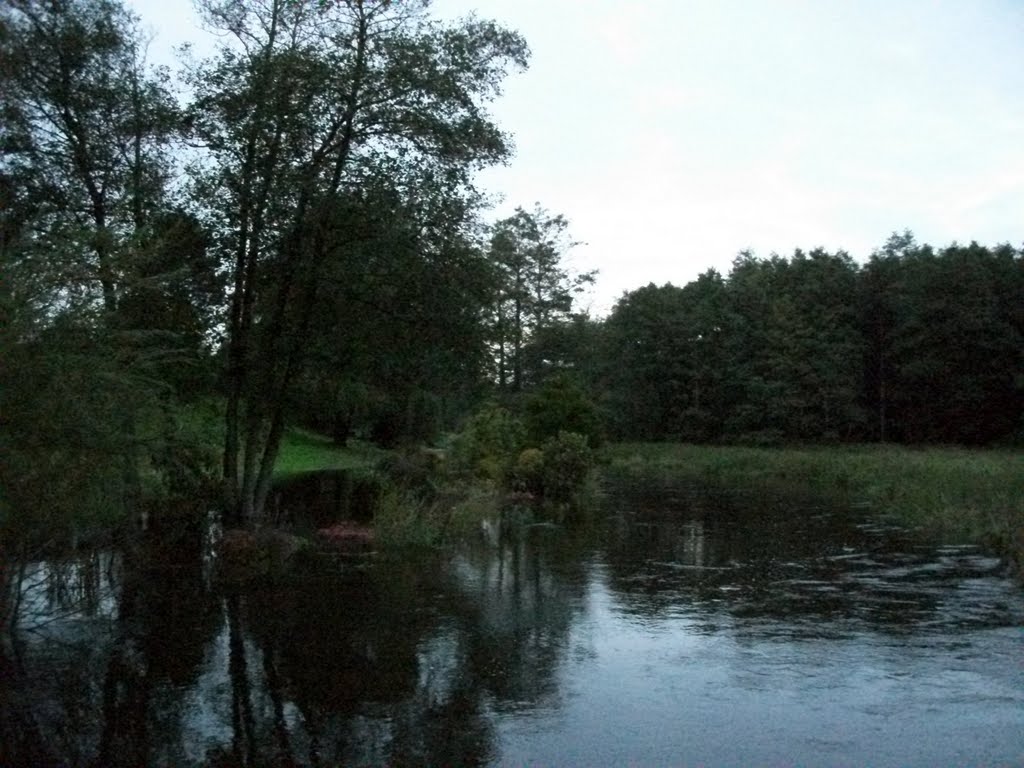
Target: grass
[(303, 451), (953, 494), (401, 518)]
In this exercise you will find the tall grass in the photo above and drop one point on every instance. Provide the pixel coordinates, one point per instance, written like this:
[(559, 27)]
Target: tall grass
[(405, 519), (949, 493)]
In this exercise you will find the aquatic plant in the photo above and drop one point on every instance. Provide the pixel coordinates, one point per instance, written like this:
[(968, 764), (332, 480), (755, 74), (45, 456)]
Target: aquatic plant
[(955, 494)]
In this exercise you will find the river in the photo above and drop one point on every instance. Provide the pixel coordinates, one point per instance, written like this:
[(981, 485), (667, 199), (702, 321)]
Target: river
[(678, 628)]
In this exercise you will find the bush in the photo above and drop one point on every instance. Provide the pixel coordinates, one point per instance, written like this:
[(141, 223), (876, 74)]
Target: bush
[(423, 417), (528, 474), (562, 405), (474, 505), (387, 421), (493, 446), (489, 444), (568, 461), (404, 519), (416, 471)]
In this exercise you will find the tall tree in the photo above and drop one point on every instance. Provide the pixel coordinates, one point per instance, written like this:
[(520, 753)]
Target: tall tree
[(796, 346), (956, 348), (305, 104), (750, 297), (916, 346), (567, 346), (666, 361), (85, 153), (534, 289), (399, 341), (85, 140), (647, 361), (879, 289)]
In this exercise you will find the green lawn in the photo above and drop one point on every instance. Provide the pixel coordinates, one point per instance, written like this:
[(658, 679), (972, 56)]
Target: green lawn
[(303, 451)]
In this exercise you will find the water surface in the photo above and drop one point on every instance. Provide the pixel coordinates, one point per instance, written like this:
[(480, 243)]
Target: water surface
[(680, 628)]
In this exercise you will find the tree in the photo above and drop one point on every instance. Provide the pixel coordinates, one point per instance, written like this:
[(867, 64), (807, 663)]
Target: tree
[(795, 347), (561, 405), (750, 294), (533, 289), (665, 360), (879, 288), (646, 340), (566, 346), (84, 161), (398, 343), (955, 349), (307, 105), (915, 346), (85, 141), (822, 345)]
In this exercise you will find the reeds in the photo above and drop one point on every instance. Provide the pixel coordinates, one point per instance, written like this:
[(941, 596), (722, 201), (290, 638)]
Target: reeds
[(954, 494)]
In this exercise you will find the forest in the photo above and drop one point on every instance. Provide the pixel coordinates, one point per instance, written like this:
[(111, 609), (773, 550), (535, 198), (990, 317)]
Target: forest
[(287, 234), (918, 345)]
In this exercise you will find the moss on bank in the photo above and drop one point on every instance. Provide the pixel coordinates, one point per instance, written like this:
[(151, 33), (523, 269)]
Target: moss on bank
[(946, 493)]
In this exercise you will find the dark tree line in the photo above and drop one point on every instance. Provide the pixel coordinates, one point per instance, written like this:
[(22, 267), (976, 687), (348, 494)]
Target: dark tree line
[(917, 345)]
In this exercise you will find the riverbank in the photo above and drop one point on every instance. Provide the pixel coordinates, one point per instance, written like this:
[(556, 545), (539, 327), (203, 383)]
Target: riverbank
[(411, 501), (953, 494)]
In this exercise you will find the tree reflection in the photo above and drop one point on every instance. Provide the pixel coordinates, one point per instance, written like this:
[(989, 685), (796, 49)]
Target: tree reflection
[(404, 662), (517, 617), (343, 653), (767, 557), (106, 647), (243, 724), (415, 659)]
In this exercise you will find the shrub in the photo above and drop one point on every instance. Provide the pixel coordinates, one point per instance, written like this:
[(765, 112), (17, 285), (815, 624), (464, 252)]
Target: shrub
[(493, 447), (404, 519), (528, 474), (416, 471), (475, 505), (387, 420), (562, 405), (422, 417), (489, 444), (567, 464)]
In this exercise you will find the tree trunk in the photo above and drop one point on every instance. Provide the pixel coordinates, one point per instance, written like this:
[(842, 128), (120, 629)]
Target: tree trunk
[(252, 205)]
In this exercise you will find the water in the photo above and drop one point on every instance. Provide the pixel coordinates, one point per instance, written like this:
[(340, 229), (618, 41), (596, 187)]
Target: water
[(678, 629)]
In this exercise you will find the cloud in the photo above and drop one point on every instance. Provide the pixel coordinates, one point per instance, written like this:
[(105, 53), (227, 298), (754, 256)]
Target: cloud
[(621, 30)]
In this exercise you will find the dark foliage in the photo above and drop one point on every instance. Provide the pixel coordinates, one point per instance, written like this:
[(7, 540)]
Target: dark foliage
[(915, 346)]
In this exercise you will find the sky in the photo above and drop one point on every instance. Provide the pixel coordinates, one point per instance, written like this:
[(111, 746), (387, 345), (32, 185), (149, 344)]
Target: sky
[(673, 134)]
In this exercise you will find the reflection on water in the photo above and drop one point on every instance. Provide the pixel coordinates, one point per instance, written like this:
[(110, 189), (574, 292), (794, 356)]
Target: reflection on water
[(681, 628)]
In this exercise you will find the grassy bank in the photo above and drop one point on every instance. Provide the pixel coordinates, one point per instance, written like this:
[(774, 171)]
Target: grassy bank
[(415, 506), (303, 451), (949, 493)]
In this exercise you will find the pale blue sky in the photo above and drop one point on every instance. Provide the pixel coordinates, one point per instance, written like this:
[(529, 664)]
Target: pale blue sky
[(675, 133)]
